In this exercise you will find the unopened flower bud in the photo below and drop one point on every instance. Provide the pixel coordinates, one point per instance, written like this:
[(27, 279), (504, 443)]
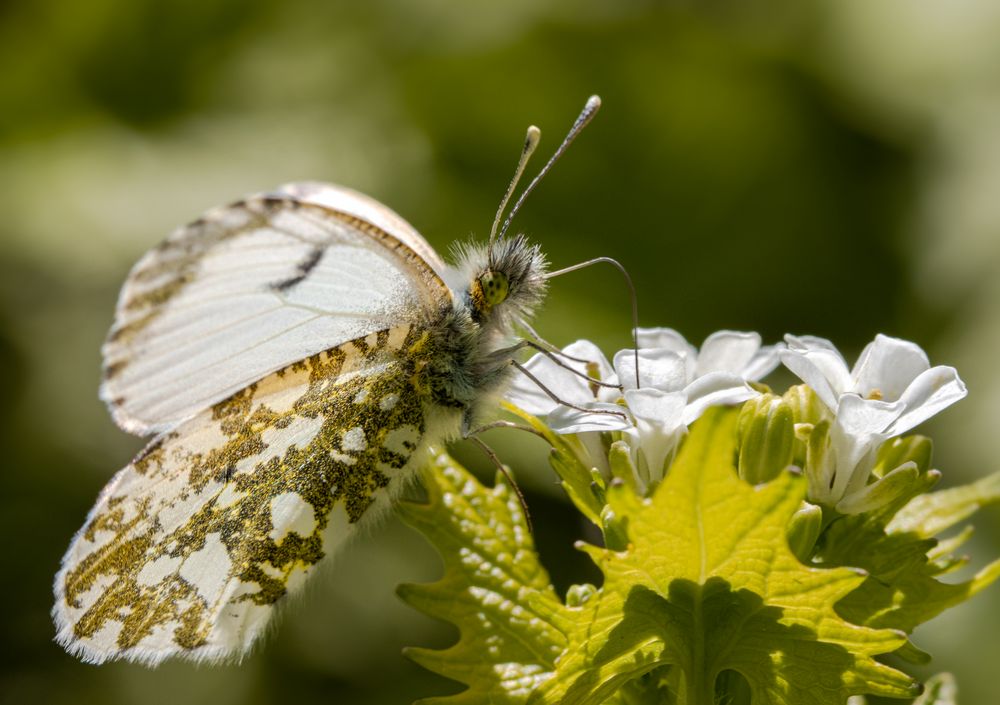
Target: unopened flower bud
[(577, 595), (806, 406), (803, 530), (767, 438), (897, 451)]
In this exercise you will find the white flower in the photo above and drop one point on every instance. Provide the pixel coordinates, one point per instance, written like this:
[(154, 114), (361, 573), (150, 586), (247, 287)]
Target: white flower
[(566, 384), (891, 389), (724, 351), (889, 370), (673, 386)]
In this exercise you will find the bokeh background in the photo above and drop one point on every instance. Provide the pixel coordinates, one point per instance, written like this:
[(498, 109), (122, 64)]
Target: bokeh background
[(813, 167)]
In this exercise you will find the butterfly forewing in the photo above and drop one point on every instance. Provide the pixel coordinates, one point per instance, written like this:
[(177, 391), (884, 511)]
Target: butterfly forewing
[(255, 286), (191, 546)]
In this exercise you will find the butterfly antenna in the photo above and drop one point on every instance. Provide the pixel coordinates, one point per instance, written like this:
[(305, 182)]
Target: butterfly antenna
[(530, 142), (586, 115), (631, 292)]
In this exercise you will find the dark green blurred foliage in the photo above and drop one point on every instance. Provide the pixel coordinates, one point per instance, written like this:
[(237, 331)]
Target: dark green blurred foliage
[(743, 169)]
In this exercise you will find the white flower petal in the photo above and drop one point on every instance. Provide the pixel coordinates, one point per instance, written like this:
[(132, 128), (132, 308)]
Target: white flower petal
[(817, 363), (610, 394), (810, 342), (659, 368), (586, 350), (715, 389), (864, 417), (887, 366), (665, 338), (932, 391), (727, 351), (563, 383), (664, 408), (659, 428), (567, 420), (525, 393), (858, 430), (855, 456), (763, 363)]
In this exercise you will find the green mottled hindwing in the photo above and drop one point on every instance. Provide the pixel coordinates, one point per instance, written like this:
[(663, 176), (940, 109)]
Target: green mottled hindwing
[(192, 545)]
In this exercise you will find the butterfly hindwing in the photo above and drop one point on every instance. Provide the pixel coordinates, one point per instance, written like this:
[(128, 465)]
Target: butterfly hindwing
[(252, 287), (192, 546)]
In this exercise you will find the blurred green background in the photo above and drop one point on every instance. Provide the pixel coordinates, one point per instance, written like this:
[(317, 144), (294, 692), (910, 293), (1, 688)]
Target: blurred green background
[(809, 167)]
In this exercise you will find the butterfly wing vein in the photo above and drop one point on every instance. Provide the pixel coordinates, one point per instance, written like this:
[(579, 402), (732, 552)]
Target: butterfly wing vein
[(252, 287)]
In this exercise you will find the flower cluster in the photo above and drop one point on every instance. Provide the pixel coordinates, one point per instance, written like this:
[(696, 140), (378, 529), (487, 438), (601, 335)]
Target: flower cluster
[(647, 398), (890, 390)]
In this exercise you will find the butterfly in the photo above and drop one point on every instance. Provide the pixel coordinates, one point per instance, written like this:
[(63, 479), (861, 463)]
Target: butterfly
[(293, 355)]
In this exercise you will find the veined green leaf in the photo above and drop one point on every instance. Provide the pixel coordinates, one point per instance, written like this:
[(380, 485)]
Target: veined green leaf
[(904, 560), (707, 584), (494, 590), (577, 479), (931, 513)]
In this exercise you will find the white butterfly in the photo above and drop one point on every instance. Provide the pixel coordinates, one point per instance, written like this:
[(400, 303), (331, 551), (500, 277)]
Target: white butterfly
[(295, 353)]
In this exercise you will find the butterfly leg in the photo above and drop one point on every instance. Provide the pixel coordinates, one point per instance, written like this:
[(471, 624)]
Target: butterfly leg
[(472, 434), (552, 355), (554, 397), (505, 356)]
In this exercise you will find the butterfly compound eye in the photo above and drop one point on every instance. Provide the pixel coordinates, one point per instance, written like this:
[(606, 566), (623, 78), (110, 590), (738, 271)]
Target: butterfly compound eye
[(494, 287)]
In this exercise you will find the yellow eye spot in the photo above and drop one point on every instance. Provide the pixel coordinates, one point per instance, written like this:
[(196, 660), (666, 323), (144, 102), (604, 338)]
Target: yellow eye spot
[(875, 394), (494, 286)]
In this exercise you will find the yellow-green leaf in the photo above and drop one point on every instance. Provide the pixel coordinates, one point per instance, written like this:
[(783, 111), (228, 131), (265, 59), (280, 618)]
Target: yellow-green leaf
[(708, 585), (494, 589)]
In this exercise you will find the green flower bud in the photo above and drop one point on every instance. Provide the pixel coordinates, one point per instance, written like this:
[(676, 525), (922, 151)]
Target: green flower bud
[(767, 438), (807, 411), (622, 467), (895, 488), (805, 405), (897, 451), (803, 530), (614, 526), (820, 463), (577, 595)]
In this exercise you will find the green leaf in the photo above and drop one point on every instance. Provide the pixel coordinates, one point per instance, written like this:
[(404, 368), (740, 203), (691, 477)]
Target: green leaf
[(577, 479), (903, 559), (494, 589), (931, 513), (707, 584)]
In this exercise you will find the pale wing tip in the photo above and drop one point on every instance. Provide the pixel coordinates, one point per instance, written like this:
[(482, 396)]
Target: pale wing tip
[(91, 653)]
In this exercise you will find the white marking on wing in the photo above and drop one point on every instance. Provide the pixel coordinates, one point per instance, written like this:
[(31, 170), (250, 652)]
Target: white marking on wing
[(354, 439), (388, 402), (208, 569), (155, 571), (291, 514), (402, 439)]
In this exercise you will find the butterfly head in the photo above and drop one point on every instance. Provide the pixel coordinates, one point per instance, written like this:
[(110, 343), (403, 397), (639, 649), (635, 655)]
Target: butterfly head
[(505, 280), (504, 284)]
